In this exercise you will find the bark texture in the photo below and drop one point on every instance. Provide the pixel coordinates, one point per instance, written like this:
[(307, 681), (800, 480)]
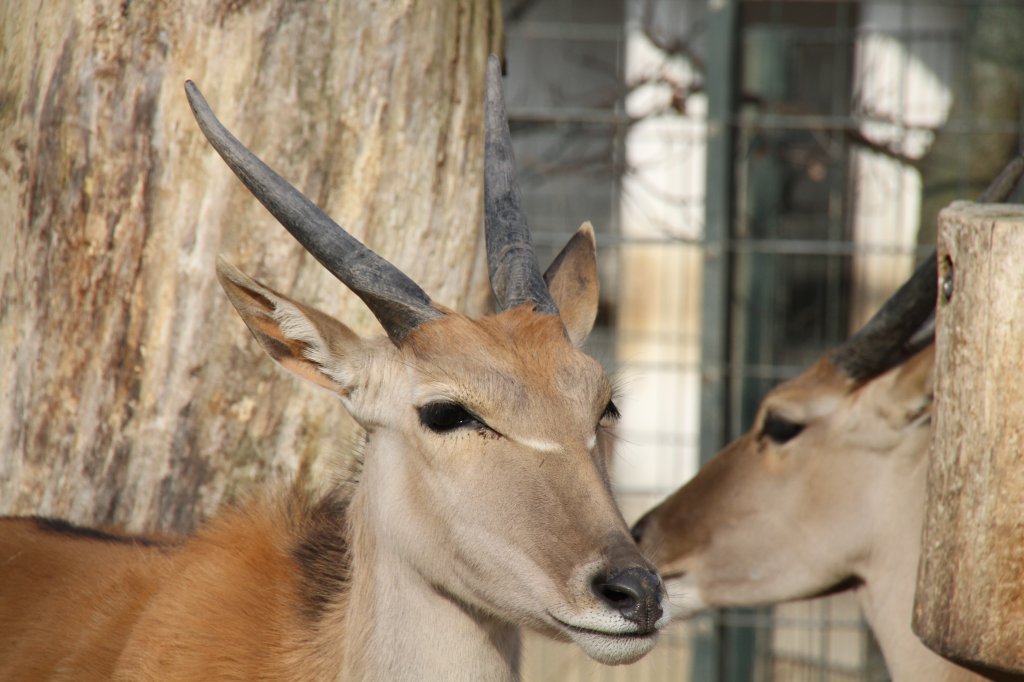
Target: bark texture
[(970, 591), (130, 392)]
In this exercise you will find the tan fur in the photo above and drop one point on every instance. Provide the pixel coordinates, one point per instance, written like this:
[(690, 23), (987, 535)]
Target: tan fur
[(841, 503), (77, 608)]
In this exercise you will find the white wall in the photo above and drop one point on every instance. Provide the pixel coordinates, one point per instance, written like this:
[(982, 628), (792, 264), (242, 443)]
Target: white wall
[(902, 93)]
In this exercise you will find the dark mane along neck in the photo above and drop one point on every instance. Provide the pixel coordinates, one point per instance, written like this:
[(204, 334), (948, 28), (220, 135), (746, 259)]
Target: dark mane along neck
[(322, 551)]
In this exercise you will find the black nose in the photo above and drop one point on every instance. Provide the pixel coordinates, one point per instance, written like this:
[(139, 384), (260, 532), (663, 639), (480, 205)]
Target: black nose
[(635, 593)]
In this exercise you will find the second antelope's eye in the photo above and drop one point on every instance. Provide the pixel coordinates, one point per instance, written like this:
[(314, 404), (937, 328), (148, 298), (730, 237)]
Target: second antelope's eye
[(779, 429), (442, 416), (611, 413)]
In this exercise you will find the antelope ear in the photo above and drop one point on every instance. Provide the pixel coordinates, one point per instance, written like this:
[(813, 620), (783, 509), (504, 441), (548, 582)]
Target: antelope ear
[(572, 281), (303, 340)]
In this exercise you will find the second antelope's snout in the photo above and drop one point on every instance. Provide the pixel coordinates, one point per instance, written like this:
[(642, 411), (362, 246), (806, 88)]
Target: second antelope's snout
[(645, 535), (637, 531), (635, 593)]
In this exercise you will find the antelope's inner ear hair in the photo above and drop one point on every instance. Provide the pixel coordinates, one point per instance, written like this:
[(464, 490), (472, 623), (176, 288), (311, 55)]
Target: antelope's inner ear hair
[(572, 281), (303, 340)]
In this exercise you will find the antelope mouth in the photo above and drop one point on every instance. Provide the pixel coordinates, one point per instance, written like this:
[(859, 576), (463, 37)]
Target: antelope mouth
[(619, 644), (583, 630), (844, 585)]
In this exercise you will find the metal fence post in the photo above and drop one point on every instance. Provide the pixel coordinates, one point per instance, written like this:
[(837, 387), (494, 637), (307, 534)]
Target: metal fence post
[(714, 418)]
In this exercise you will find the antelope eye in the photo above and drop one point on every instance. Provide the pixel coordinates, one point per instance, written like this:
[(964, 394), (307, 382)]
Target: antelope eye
[(779, 429), (611, 412), (442, 417)]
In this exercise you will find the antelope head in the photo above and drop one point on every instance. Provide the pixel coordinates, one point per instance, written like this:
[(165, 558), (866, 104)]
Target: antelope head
[(801, 504), (827, 489), (485, 486)]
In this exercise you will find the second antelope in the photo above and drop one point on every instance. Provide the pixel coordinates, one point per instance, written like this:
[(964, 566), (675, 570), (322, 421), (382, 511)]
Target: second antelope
[(483, 503), (827, 490)]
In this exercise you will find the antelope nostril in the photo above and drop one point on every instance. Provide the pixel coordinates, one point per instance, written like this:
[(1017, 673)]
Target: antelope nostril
[(617, 597), (634, 592)]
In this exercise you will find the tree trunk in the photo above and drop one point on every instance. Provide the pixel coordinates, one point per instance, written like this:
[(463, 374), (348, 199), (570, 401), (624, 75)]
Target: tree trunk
[(131, 392), (970, 590)]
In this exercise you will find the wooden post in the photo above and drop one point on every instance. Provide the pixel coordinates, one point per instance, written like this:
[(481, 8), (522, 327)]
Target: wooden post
[(130, 392), (969, 604)]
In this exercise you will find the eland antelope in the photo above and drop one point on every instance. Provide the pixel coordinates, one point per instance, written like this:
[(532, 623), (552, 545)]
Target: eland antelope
[(826, 491), (483, 503)]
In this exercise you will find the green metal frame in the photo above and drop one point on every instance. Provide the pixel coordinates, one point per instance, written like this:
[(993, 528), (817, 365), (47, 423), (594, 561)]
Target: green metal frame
[(713, 649)]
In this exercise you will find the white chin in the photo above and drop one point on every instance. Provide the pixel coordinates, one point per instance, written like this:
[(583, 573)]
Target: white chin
[(614, 649), (684, 597)]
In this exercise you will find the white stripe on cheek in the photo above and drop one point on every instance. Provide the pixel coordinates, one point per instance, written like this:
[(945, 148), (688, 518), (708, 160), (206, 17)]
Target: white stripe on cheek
[(551, 446), (540, 445)]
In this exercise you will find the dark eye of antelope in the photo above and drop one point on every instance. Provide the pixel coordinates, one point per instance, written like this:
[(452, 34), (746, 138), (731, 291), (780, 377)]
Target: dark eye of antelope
[(779, 429), (444, 416), (610, 414)]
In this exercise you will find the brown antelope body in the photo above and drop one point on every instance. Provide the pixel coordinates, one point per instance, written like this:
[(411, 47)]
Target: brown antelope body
[(482, 505), (826, 491)]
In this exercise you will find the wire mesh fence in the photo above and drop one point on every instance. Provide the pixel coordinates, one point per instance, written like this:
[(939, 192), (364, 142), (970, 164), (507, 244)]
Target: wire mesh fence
[(761, 175)]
